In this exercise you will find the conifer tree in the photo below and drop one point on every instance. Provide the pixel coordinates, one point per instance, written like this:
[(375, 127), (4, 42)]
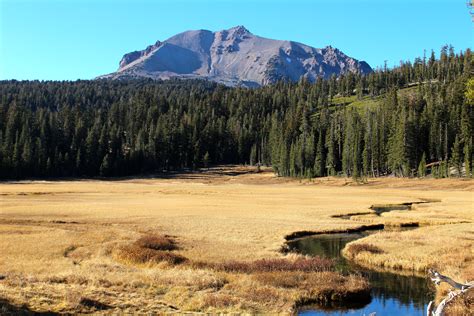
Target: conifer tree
[(456, 156), (422, 167), (206, 160), (319, 162)]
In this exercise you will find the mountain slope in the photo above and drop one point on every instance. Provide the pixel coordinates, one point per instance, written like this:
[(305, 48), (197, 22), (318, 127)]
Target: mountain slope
[(235, 57)]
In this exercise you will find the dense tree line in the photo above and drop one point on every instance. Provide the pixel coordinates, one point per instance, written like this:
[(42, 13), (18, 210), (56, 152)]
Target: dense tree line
[(421, 118)]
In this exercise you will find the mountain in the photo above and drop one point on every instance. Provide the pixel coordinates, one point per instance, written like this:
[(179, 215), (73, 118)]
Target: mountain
[(234, 57)]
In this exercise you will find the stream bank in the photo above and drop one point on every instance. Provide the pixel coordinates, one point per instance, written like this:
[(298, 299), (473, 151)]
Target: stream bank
[(391, 293)]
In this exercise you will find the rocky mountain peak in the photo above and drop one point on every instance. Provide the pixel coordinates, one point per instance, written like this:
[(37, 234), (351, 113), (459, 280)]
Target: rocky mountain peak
[(238, 31), (235, 57)]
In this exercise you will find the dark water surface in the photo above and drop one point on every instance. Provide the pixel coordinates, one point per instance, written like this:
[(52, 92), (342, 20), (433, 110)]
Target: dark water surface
[(392, 294)]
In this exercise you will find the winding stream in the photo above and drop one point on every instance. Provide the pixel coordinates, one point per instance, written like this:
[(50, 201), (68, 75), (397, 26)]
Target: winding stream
[(392, 294)]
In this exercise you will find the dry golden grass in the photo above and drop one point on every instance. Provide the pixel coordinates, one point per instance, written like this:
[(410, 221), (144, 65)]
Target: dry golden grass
[(61, 240), (297, 263), (447, 248)]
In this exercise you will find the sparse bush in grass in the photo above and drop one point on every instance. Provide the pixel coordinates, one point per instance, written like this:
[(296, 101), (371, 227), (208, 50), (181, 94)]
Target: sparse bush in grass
[(136, 254), (354, 249), (156, 242)]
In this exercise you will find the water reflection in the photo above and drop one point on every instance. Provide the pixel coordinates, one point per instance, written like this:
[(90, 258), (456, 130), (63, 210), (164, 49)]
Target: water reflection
[(392, 294)]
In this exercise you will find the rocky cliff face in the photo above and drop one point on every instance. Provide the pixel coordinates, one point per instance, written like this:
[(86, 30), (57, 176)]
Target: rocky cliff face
[(235, 57)]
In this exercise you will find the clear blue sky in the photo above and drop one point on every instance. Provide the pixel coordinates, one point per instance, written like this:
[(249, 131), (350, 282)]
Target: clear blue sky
[(81, 39)]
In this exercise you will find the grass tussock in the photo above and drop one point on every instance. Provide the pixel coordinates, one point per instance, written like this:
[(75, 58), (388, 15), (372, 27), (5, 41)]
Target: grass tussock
[(151, 249), (156, 242), (141, 255), (354, 249), (302, 264)]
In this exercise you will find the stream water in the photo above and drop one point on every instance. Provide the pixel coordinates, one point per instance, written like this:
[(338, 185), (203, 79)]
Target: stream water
[(392, 294)]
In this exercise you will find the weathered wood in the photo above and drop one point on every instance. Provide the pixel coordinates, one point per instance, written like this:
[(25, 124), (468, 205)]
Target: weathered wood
[(437, 278)]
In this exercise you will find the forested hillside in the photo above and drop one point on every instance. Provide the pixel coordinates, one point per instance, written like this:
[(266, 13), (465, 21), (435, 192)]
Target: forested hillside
[(392, 121)]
